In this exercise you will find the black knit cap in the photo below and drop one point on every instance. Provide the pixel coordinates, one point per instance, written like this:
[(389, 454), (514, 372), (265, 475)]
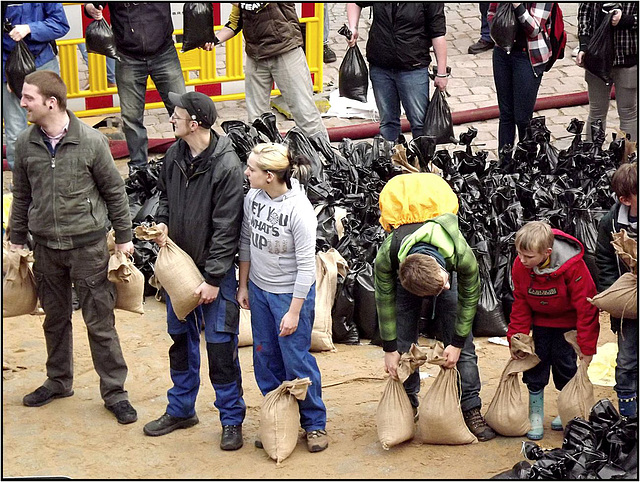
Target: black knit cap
[(199, 106)]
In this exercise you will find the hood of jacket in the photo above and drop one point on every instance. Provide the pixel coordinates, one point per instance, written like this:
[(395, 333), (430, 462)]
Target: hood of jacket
[(567, 251)]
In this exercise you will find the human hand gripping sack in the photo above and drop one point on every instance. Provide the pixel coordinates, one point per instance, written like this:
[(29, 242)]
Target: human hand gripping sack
[(93, 11), (206, 292), (452, 355), (19, 32), (391, 361)]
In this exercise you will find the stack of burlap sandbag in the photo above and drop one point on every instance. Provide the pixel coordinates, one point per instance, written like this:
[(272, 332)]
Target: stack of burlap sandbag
[(394, 416), (175, 271), (576, 398), (621, 298), (129, 282), (280, 418), (507, 414), (328, 265), (440, 416), (19, 294)]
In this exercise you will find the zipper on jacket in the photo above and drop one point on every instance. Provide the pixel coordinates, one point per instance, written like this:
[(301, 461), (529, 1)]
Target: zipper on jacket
[(53, 162)]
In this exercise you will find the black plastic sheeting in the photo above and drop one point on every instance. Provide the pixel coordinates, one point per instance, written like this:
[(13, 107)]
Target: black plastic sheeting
[(603, 447), (569, 188)]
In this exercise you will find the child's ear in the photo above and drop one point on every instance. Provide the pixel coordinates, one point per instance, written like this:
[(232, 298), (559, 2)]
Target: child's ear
[(549, 250), (626, 200)]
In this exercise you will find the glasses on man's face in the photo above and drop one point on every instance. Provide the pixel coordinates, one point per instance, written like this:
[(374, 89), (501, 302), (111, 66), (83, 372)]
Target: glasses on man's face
[(175, 117)]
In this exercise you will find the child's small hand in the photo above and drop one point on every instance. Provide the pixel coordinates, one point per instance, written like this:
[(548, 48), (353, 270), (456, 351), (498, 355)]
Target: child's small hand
[(586, 359)]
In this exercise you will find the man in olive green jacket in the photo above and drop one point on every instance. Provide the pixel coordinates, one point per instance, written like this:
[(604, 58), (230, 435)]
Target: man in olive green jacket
[(427, 225), (66, 191)]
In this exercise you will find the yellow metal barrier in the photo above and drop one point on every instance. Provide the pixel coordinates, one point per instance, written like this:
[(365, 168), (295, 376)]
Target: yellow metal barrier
[(198, 66)]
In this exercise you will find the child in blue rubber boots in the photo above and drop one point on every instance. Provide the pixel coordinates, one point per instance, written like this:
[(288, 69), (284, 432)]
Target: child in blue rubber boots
[(551, 284), (623, 215)]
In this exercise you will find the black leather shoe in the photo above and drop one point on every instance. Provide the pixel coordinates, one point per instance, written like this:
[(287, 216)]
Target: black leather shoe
[(167, 424), (477, 425), (480, 46), (231, 437), (42, 395), (123, 411)]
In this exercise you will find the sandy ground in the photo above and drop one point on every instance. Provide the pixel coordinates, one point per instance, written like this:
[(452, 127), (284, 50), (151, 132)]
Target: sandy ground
[(77, 437)]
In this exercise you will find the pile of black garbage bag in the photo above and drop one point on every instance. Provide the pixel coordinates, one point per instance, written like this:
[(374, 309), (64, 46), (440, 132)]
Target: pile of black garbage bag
[(569, 188), (604, 447)]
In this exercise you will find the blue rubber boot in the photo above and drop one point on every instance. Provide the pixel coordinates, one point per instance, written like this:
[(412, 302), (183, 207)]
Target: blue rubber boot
[(536, 415), (556, 424)]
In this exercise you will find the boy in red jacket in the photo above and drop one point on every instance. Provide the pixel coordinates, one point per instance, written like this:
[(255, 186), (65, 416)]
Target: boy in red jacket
[(551, 284)]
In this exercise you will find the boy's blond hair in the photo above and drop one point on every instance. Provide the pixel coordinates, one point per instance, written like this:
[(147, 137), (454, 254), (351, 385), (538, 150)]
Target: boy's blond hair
[(534, 236), (420, 274)]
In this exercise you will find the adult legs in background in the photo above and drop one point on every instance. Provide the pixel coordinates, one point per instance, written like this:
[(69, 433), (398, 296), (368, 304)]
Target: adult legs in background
[(413, 87), (387, 97), (627, 367)]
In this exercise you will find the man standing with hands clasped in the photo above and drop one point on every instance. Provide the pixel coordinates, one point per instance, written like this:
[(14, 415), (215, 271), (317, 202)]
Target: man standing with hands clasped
[(201, 199), (66, 189)]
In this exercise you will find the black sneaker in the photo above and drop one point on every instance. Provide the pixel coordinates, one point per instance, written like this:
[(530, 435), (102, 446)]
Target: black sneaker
[(42, 395), (480, 46), (167, 424), (477, 425), (123, 411), (328, 55), (231, 437)]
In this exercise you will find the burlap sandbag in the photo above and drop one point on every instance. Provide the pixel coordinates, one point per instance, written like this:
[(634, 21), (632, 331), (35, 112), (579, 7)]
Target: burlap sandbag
[(394, 416), (129, 282), (441, 421), (19, 294), (245, 337), (507, 414), (175, 271), (328, 265), (627, 249), (111, 242), (620, 300), (280, 418), (576, 398)]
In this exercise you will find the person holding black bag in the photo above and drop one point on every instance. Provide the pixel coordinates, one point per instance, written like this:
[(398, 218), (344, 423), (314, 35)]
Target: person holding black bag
[(624, 74), (38, 25), (398, 53), (518, 67)]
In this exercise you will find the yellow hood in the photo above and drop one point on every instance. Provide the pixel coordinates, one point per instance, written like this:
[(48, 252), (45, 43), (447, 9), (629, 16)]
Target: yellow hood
[(415, 198)]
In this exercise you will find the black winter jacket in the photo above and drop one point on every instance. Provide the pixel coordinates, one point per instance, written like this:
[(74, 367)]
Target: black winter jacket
[(401, 33), (203, 211), (141, 29)]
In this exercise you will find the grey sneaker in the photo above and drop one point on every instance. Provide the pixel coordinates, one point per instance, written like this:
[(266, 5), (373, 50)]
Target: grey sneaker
[(317, 440)]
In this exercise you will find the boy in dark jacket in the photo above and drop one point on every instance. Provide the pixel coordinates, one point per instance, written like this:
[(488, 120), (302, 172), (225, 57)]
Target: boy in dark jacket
[(551, 283), (200, 207), (623, 215)]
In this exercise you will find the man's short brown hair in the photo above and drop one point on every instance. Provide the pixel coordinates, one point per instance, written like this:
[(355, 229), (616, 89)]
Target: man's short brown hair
[(421, 275), (625, 180), (50, 85), (534, 236)]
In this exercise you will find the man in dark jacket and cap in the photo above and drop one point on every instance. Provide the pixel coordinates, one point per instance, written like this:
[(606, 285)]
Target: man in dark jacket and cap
[(200, 208)]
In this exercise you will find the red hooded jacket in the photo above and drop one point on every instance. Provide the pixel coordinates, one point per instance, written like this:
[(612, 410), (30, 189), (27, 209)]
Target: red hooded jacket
[(556, 296)]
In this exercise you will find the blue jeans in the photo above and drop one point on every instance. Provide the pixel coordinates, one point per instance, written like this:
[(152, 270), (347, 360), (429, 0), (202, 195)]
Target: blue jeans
[(408, 308), (484, 28), (14, 116), (627, 360), (517, 89), (220, 319), (276, 358), (555, 354), (131, 78), (111, 63), (390, 87)]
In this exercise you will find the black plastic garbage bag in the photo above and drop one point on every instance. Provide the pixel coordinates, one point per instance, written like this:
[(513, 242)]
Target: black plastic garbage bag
[(520, 471), (300, 145), (99, 39), (365, 314), (148, 210), (579, 434), (489, 320), (344, 329), (197, 18), (438, 122), (20, 63), (144, 257), (266, 124), (326, 234), (504, 26), (353, 74), (243, 137), (599, 55)]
